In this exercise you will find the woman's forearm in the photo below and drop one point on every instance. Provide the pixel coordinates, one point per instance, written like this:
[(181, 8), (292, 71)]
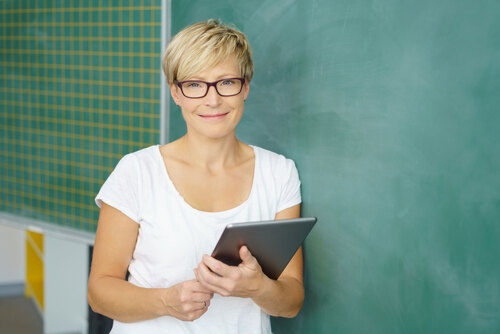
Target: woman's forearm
[(123, 301), (280, 298)]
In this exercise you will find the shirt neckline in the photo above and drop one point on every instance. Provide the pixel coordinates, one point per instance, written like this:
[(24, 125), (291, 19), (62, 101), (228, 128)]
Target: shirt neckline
[(210, 213)]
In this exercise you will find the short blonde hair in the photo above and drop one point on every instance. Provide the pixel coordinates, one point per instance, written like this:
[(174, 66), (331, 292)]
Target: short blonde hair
[(204, 45)]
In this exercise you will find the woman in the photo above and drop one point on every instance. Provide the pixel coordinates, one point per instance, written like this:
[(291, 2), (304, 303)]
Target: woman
[(164, 207)]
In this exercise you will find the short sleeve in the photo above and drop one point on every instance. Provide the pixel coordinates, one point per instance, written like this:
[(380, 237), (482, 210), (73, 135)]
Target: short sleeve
[(290, 189), (121, 188)]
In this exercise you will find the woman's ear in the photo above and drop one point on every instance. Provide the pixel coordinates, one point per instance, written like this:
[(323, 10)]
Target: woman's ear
[(174, 93), (246, 90)]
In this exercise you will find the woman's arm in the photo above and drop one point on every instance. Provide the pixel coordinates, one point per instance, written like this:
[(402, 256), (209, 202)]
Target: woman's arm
[(282, 297), (111, 295)]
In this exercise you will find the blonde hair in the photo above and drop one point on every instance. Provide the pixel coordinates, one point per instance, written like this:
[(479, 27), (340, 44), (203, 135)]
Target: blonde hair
[(204, 45)]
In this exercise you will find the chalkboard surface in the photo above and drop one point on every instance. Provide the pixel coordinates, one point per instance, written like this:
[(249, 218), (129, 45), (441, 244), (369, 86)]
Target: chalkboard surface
[(390, 110), (79, 88)]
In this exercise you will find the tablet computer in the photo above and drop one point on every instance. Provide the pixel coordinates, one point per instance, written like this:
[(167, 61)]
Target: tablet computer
[(273, 243)]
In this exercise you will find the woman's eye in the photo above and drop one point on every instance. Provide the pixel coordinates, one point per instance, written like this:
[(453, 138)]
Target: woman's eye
[(227, 82), (193, 85)]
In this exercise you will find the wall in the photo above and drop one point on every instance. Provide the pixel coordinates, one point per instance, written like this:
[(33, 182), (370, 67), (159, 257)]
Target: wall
[(390, 110), (12, 270)]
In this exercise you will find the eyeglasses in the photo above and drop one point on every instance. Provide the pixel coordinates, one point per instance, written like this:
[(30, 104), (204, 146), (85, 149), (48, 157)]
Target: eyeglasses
[(196, 89)]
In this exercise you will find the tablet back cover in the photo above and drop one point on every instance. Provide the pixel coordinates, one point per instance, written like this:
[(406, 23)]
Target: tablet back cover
[(273, 243)]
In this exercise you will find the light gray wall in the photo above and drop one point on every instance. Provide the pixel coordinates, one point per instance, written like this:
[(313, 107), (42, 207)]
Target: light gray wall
[(12, 255)]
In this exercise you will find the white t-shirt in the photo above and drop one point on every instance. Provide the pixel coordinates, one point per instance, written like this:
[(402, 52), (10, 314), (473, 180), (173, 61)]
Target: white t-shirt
[(173, 236)]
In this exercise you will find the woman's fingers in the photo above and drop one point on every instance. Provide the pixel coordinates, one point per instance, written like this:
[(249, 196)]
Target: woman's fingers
[(243, 280), (189, 300)]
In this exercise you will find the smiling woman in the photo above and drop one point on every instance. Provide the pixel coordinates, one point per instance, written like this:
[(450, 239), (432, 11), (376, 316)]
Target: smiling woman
[(225, 111), (164, 207)]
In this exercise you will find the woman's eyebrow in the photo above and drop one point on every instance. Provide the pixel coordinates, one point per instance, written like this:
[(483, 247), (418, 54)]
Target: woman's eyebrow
[(219, 77)]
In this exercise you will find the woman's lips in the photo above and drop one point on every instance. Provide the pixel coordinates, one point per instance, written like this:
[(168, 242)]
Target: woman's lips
[(214, 116)]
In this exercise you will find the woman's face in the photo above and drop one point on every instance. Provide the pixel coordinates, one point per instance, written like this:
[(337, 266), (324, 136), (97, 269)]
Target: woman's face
[(213, 116)]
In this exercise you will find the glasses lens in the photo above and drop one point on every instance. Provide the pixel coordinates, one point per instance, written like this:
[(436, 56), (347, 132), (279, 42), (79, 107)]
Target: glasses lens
[(194, 88), (229, 87)]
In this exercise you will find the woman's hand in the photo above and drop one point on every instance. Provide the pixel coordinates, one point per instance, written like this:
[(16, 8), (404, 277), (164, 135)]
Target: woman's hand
[(280, 298), (187, 300), (243, 280)]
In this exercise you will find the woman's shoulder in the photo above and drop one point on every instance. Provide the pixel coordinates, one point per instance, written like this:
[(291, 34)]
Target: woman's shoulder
[(145, 153), (276, 171), (268, 154), (268, 158), (139, 160)]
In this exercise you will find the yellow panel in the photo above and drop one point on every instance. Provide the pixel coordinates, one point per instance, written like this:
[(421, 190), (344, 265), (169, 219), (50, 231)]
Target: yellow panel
[(37, 238), (34, 267)]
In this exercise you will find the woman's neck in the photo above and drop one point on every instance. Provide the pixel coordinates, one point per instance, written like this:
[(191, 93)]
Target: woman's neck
[(212, 154)]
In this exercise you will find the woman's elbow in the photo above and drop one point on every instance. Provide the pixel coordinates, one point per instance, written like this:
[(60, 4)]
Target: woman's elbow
[(91, 296), (90, 299), (295, 306), (293, 312)]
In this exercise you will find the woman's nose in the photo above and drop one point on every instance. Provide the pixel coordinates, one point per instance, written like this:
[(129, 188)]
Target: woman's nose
[(213, 98)]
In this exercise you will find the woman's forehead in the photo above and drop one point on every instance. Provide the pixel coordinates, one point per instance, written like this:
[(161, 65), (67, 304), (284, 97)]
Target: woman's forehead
[(227, 67)]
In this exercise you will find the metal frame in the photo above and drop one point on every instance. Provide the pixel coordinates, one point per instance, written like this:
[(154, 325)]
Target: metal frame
[(166, 23)]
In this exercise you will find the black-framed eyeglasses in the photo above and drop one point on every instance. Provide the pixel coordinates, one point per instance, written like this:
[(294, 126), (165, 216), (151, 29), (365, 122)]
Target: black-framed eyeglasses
[(196, 89)]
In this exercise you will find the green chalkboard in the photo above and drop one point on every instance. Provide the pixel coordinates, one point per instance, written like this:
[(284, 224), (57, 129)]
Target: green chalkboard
[(79, 88), (390, 110)]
